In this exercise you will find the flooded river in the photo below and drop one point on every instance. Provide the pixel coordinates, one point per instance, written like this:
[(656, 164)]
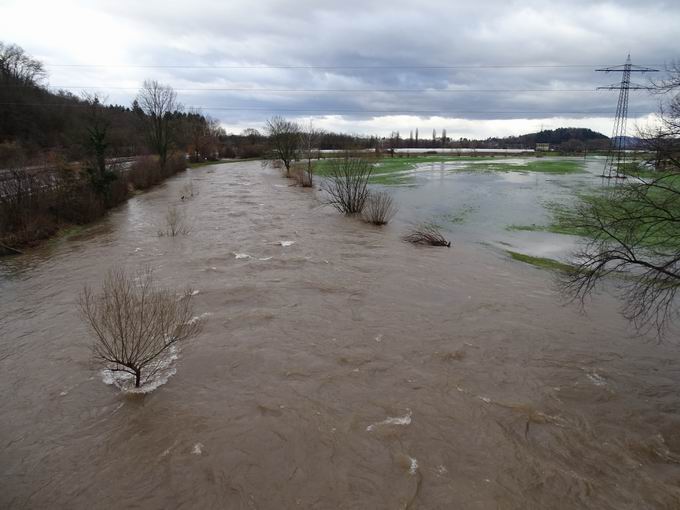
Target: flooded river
[(347, 370)]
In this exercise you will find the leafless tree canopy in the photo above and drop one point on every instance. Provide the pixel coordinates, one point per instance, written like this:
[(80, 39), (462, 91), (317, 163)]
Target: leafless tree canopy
[(634, 230), (16, 65), (427, 234), (135, 323), (158, 102), (347, 184), (379, 208), (285, 139)]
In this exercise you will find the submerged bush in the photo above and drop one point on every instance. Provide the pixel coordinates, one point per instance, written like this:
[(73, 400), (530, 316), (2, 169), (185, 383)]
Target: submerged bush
[(347, 184), (174, 223), (135, 323), (379, 208), (427, 234)]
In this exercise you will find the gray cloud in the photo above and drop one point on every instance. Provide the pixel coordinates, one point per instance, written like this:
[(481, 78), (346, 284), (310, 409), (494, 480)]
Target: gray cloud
[(367, 46)]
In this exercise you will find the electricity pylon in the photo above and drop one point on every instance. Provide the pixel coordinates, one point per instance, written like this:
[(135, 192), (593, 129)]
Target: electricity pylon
[(616, 155)]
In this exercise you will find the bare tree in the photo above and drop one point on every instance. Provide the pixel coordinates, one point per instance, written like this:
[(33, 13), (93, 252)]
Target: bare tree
[(309, 141), (135, 323), (202, 133), (285, 140), (347, 184), (158, 102), (379, 208), (633, 231), (17, 66)]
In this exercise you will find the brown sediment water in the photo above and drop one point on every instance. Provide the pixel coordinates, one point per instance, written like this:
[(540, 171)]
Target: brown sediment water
[(345, 370)]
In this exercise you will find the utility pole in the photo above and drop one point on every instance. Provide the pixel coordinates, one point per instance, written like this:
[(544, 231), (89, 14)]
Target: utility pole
[(616, 155)]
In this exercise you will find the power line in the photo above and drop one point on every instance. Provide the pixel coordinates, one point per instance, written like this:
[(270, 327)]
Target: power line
[(348, 67), (616, 156), (332, 110), (274, 90)]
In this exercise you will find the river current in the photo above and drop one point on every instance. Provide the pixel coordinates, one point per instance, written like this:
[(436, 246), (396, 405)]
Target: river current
[(339, 369)]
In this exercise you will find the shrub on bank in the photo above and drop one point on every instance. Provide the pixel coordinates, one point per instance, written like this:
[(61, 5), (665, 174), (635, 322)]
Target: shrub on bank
[(145, 172)]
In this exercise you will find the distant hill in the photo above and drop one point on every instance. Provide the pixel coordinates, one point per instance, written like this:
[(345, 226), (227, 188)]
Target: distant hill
[(560, 135), (554, 137), (629, 142)]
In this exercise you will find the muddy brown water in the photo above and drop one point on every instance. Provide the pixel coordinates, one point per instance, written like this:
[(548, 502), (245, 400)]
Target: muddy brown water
[(350, 370)]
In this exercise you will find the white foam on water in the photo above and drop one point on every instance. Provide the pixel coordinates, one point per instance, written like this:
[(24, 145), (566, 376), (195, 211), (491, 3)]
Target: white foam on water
[(597, 379), (241, 255), (485, 399), (162, 369), (265, 258), (286, 243), (195, 292), (379, 338), (413, 469), (197, 318), (399, 420), (198, 449)]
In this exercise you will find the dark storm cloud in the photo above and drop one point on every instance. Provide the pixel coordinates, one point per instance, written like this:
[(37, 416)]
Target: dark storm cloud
[(363, 44)]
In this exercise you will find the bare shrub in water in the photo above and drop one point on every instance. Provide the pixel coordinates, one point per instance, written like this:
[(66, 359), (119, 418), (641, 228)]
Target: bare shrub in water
[(347, 184), (379, 208), (175, 223), (135, 323), (301, 174), (427, 234), (189, 190)]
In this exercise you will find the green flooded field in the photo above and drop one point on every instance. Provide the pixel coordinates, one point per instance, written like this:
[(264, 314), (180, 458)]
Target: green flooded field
[(516, 205), (403, 170)]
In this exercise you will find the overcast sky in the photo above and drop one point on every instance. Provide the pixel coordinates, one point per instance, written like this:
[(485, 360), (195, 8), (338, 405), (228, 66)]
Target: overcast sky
[(358, 66)]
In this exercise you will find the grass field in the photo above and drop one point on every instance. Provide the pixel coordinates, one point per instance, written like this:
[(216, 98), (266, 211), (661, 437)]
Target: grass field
[(541, 262)]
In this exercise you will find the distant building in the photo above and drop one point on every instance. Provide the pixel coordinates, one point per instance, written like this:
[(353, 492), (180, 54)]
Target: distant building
[(542, 147)]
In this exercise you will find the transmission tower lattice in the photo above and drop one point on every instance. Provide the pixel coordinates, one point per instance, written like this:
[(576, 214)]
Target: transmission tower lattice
[(616, 155)]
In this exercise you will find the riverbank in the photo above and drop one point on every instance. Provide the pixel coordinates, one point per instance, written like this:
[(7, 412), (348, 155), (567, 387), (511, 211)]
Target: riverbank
[(38, 205), (346, 369)]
